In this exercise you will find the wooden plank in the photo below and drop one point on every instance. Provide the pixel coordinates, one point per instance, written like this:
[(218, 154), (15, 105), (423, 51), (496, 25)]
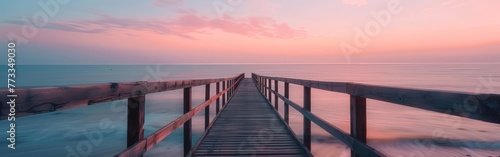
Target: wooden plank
[(323, 85), (484, 107), (249, 125), (47, 99), (359, 147)]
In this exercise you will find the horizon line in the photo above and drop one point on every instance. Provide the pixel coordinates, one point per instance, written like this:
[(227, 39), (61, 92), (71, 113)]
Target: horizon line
[(272, 63)]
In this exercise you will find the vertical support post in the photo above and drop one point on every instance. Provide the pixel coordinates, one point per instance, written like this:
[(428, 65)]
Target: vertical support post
[(217, 102), (229, 91), (287, 88), (307, 122), (276, 95), (264, 88), (358, 120), (257, 80), (231, 83), (207, 109), (269, 89), (135, 120), (187, 125), (261, 85), (223, 95)]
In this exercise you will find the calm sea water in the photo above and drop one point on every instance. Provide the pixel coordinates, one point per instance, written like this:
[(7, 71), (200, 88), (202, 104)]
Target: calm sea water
[(392, 129)]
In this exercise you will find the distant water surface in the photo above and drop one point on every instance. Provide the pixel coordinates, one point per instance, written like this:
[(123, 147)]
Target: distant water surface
[(394, 130)]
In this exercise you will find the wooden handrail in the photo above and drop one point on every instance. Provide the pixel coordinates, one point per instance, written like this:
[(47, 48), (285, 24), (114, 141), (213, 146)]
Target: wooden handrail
[(485, 107), (353, 143), (48, 99), (144, 145)]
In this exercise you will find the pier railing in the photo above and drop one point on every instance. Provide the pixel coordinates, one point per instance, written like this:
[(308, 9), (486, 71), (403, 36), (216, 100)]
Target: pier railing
[(484, 107), (31, 101)]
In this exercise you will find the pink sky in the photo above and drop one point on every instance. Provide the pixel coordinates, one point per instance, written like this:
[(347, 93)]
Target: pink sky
[(261, 31)]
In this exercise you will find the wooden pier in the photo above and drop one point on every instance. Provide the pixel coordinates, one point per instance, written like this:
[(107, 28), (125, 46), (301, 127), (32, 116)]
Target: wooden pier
[(247, 122), (248, 125)]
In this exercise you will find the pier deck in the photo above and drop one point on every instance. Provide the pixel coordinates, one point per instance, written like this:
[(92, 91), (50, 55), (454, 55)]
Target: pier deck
[(249, 125)]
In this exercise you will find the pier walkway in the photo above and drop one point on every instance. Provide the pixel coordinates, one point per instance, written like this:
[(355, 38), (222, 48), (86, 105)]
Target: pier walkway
[(249, 125)]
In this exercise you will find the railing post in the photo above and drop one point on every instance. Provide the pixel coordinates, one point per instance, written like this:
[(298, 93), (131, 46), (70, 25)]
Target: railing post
[(260, 84), (217, 102), (287, 86), (230, 93), (358, 119), (276, 95), (135, 120), (269, 91), (307, 122), (207, 109), (223, 95), (187, 125), (264, 87)]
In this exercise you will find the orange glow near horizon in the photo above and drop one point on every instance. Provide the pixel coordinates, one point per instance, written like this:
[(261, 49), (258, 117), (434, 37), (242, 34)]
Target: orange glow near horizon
[(451, 29)]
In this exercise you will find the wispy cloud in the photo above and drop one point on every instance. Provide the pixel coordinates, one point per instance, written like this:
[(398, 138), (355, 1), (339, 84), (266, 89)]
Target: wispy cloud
[(355, 2), (166, 3), (186, 26)]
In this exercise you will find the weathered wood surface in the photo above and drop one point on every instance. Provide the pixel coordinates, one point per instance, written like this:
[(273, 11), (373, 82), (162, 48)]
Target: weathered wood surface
[(47, 99), (187, 125), (306, 121), (358, 120), (145, 144), (135, 119), (484, 107), (357, 146), (249, 126)]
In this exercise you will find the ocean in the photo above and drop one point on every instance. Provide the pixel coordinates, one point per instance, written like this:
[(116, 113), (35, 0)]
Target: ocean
[(392, 129)]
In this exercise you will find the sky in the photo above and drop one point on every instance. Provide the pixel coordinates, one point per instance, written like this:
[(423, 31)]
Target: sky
[(251, 31)]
